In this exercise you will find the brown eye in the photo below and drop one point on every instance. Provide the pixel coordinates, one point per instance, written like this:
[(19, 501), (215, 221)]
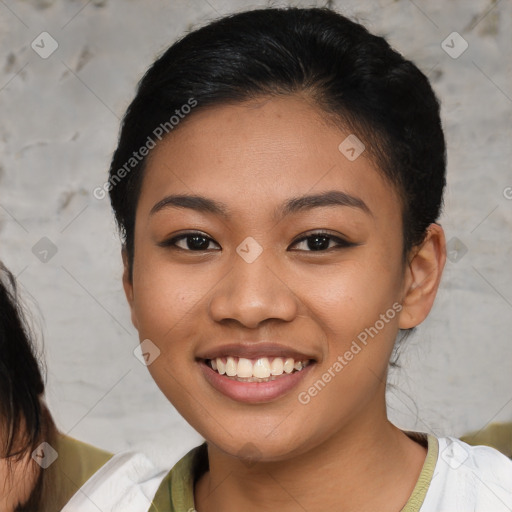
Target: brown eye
[(193, 241), (321, 242)]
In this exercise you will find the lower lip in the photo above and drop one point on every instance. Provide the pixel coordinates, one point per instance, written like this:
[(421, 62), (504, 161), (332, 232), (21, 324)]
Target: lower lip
[(254, 392)]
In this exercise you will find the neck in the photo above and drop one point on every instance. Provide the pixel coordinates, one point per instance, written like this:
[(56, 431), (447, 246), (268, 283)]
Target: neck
[(358, 469)]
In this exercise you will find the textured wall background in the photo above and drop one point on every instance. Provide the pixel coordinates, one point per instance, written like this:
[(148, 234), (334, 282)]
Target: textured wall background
[(59, 124)]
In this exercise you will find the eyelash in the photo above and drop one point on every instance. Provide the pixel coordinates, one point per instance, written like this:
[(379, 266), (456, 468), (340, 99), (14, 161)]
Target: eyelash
[(342, 244)]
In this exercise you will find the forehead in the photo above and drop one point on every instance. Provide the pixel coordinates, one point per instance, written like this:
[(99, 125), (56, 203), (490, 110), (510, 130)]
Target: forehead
[(260, 153)]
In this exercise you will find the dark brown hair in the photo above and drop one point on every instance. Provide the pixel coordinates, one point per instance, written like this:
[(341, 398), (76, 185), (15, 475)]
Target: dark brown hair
[(24, 416)]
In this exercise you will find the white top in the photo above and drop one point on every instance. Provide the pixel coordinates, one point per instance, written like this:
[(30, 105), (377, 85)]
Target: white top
[(126, 483), (465, 479), (469, 479)]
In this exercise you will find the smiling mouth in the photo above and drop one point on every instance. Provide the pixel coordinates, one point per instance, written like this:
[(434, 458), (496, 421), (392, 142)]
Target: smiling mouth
[(263, 369)]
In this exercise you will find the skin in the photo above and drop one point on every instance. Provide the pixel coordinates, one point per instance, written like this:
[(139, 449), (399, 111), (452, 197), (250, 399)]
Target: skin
[(253, 157)]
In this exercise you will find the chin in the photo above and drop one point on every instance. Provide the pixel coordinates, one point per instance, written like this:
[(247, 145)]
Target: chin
[(253, 448)]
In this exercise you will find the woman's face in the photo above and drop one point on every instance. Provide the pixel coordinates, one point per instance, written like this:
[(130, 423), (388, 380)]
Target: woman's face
[(248, 283), (17, 480)]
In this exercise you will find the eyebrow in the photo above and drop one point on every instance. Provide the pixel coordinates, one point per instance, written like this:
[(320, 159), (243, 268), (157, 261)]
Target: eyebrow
[(289, 207)]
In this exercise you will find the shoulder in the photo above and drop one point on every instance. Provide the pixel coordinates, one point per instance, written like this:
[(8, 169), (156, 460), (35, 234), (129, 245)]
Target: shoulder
[(70, 464), (127, 482), (469, 478), (70, 450)]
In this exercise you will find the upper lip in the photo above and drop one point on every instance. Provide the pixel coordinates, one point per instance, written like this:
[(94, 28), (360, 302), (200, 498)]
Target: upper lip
[(252, 350)]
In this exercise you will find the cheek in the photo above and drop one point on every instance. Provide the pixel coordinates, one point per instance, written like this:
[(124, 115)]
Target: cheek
[(353, 295), (357, 308), (357, 311), (166, 317), (165, 295), (17, 481)]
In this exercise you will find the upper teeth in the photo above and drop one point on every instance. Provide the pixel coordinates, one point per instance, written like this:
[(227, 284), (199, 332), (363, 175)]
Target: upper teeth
[(260, 368)]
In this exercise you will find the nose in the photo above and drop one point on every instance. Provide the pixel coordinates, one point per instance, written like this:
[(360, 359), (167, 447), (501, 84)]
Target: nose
[(253, 292)]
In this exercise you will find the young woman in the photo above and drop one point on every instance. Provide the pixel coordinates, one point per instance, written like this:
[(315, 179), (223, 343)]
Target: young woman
[(40, 468), (277, 183)]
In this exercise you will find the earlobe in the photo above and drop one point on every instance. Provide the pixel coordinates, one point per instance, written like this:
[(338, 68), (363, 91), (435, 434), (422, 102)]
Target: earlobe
[(423, 275), (128, 286)]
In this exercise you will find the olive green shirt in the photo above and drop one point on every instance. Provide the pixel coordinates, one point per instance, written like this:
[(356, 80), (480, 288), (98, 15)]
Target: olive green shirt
[(76, 463)]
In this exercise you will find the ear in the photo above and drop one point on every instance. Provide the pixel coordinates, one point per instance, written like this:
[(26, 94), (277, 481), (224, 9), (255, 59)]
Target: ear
[(128, 287), (422, 277)]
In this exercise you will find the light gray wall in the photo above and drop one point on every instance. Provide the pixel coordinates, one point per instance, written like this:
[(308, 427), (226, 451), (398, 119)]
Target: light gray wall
[(59, 123)]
